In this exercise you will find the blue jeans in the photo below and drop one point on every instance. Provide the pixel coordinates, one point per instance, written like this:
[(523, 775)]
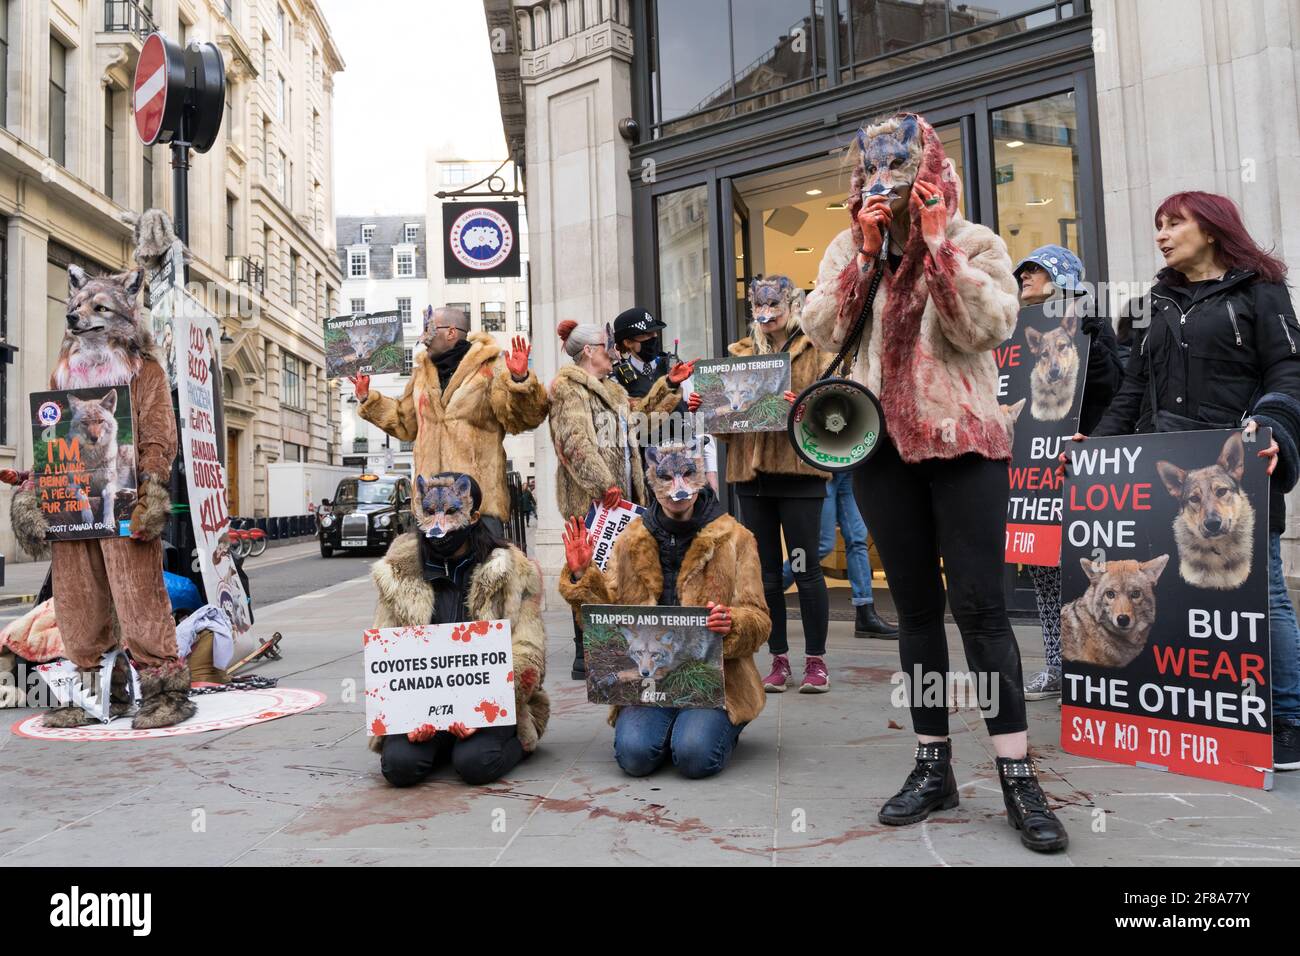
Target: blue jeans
[(1283, 639), (699, 740), (840, 508)]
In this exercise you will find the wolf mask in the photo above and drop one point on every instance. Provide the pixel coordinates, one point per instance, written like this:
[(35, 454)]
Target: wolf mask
[(448, 506), (675, 472), (104, 342), (773, 297)]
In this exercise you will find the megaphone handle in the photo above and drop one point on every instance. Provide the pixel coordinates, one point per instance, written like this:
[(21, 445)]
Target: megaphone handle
[(851, 340)]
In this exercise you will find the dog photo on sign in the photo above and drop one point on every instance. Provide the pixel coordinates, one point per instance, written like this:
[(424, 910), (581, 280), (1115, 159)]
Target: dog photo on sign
[(1214, 528), (1056, 369)]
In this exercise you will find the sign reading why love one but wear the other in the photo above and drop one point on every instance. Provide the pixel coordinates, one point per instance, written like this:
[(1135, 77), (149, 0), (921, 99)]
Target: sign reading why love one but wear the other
[(1164, 604), (439, 674)]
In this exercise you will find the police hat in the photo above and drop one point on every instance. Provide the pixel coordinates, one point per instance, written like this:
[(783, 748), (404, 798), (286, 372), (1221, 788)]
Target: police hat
[(635, 321)]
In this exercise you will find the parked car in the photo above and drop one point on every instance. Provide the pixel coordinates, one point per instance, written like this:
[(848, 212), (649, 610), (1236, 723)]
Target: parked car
[(366, 512)]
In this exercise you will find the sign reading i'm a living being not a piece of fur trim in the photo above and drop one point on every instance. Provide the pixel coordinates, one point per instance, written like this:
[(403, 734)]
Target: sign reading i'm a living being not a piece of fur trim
[(1041, 371), (651, 656), (439, 674), (363, 345), (606, 524), (1164, 617), (83, 447), (744, 393)]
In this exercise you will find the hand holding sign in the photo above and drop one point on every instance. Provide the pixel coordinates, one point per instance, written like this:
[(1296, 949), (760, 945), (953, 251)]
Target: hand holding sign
[(360, 386), (1063, 468), (719, 621), (578, 547), (422, 733), (789, 396), (694, 401), (613, 495), (1271, 452), (460, 731)]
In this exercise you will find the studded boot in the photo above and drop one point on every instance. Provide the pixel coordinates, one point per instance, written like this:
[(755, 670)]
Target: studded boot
[(1027, 809), (930, 786)]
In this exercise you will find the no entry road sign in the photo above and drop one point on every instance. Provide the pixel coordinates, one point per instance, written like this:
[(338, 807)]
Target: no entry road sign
[(152, 86)]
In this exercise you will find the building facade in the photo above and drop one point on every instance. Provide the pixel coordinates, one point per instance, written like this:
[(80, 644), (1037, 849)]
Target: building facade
[(261, 220), (674, 149)]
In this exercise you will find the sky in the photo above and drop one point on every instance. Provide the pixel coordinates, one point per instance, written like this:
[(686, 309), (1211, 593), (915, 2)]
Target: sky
[(417, 76)]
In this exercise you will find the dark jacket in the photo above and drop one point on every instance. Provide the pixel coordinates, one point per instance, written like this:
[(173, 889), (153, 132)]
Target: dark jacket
[(674, 537), (1215, 352), (1104, 374)]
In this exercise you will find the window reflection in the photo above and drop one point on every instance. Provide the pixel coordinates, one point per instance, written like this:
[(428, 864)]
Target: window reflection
[(1036, 172), (950, 135), (684, 279)]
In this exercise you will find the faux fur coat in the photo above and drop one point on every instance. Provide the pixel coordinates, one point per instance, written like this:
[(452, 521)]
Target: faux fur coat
[(584, 412), (749, 453), (507, 586), (463, 430), (720, 565), (929, 341)]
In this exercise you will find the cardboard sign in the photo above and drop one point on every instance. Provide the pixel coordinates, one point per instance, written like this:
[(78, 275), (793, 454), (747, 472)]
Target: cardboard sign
[(439, 674), (651, 656), (743, 393), (606, 524), (1164, 618), (83, 448), (363, 345), (65, 682), (1041, 371)]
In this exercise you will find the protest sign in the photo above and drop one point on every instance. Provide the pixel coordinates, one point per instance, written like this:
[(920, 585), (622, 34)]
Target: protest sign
[(1164, 618), (1041, 372), (651, 656), (439, 674), (363, 345), (743, 393), (606, 524), (83, 451)]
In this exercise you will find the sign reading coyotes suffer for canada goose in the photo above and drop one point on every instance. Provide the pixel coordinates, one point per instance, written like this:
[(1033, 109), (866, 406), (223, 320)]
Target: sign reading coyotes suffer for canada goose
[(83, 446), (1041, 371), (1164, 617), (363, 345), (651, 656), (744, 393)]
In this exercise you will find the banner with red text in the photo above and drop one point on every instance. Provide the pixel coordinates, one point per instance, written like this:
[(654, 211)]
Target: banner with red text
[(1164, 593)]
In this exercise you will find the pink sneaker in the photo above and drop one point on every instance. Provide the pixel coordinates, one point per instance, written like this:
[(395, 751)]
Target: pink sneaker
[(815, 678), (776, 682)]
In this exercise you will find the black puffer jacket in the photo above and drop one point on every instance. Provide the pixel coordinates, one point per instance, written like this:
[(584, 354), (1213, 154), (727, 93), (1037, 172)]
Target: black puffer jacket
[(674, 537), (1215, 351)]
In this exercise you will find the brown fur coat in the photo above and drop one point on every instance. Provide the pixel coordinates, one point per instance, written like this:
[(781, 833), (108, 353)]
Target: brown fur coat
[(507, 586), (749, 453), (720, 565), (463, 430), (583, 410)]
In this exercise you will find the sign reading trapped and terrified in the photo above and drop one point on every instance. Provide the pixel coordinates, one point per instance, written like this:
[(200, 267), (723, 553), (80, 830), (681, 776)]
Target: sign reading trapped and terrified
[(1041, 371), (744, 393), (651, 656), (363, 345), (1164, 617), (480, 240), (606, 524), (439, 674), (83, 448)]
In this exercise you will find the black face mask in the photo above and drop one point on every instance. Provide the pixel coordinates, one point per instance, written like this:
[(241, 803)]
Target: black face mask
[(447, 546), (650, 350)]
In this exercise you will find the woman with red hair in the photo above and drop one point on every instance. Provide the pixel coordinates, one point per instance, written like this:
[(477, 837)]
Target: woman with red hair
[(1221, 351)]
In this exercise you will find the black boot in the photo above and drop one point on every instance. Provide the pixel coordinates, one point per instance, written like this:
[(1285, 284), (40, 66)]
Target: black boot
[(1027, 809), (579, 671), (869, 624), (930, 786)]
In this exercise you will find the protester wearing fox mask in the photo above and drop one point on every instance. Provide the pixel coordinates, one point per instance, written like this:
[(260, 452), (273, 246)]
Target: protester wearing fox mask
[(946, 299), (101, 585)]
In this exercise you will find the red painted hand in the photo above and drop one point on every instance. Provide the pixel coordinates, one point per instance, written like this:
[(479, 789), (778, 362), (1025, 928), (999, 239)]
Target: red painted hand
[(517, 357), (461, 731), (934, 214), (612, 496), (694, 401), (874, 214), (578, 547), (789, 396), (719, 621), (422, 733), (681, 372), (361, 386), (11, 477)]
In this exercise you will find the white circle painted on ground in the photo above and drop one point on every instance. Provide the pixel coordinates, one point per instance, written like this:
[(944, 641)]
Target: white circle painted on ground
[(221, 711)]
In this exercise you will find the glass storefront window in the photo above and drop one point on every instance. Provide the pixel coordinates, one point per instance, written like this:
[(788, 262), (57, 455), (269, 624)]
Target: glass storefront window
[(775, 46), (1036, 172), (693, 65), (951, 137), (685, 283)]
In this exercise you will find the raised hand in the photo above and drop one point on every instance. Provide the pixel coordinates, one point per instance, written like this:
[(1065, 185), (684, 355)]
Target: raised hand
[(874, 214), (789, 396), (927, 202), (681, 371), (517, 358), (612, 497), (719, 621), (578, 547), (361, 386), (422, 733), (694, 401), (11, 477)]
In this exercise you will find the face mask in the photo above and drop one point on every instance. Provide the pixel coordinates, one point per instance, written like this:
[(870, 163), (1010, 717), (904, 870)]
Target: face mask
[(449, 543)]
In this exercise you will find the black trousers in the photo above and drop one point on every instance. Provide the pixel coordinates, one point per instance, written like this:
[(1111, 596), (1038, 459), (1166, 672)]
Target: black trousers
[(956, 508), (801, 518), (484, 756)]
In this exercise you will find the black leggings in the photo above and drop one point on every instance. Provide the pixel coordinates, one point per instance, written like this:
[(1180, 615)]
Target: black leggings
[(958, 508), (480, 758), (801, 518)]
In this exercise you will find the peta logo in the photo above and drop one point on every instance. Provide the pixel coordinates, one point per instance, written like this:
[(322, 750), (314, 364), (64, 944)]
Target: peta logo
[(77, 909)]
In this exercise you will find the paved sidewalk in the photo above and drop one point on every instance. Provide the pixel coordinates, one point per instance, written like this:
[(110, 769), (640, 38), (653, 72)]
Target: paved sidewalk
[(803, 787)]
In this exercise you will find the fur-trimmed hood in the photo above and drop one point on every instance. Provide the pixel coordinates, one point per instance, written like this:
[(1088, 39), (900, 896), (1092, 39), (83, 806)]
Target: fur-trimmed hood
[(506, 586)]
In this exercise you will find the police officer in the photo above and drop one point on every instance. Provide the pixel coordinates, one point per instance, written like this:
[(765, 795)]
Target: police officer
[(636, 333)]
